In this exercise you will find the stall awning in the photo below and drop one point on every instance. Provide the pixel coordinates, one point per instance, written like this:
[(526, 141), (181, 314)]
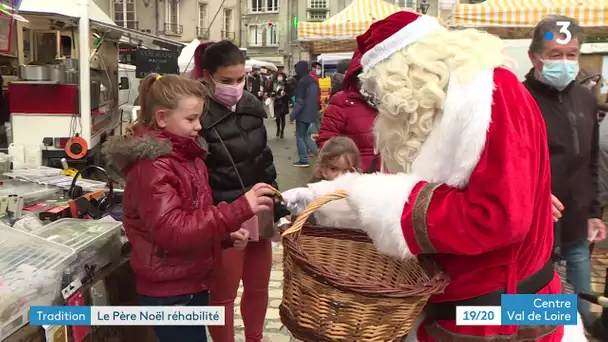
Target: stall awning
[(135, 37), (349, 23), (526, 13), (66, 8)]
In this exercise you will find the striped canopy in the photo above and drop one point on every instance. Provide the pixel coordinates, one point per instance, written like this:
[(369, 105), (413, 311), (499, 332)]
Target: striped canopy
[(527, 13), (349, 23)]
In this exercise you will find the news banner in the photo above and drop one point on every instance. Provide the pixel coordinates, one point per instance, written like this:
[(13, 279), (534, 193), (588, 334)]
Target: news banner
[(516, 309)]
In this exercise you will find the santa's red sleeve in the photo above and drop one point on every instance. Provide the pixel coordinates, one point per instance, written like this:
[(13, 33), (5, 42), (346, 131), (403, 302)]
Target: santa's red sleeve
[(405, 215)]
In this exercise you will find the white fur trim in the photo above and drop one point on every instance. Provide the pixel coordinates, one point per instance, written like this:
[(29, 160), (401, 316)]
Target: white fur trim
[(379, 200), (402, 38), (572, 333), (457, 140)]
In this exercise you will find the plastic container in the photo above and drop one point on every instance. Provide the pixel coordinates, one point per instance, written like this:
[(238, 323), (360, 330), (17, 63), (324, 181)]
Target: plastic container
[(28, 191), (8, 129), (30, 274), (88, 185), (5, 164), (33, 155), (96, 243), (34, 174), (17, 152)]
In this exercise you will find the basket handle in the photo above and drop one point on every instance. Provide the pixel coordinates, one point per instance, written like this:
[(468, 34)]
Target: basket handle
[(297, 226)]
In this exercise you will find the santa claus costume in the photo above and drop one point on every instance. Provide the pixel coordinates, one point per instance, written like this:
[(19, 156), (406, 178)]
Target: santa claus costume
[(471, 184)]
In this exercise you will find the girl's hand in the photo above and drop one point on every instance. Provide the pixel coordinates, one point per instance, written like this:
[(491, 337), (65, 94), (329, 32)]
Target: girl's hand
[(260, 198), (240, 238)]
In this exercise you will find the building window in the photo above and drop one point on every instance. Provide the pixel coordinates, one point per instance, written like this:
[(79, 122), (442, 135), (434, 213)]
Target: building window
[(255, 35), (124, 13), (318, 4), (264, 6), (228, 24), (272, 37), (317, 15), (202, 15), (172, 15), (257, 6), (272, 5), (410, 4)]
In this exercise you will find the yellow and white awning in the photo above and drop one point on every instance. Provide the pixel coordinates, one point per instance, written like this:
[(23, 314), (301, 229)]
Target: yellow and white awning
[(349, 23), (527, 13)]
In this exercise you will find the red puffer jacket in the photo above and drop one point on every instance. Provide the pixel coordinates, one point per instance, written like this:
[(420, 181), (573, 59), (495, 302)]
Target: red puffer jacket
[(349, 115), (169, 214)]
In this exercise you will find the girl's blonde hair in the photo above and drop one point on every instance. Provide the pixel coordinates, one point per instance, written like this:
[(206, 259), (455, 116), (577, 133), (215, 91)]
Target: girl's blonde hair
[(158, 92), (334, 148)]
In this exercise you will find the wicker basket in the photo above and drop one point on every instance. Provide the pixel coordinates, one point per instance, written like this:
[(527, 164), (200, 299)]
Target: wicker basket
[(337, 287)]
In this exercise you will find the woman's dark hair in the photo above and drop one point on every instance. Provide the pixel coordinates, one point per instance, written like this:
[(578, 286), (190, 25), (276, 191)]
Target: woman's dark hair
[(220, 54)]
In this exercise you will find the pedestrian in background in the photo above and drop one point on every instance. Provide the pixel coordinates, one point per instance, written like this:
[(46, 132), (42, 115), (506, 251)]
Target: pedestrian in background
[(239, 157), (281, 103), (305, 112), (338, 77)]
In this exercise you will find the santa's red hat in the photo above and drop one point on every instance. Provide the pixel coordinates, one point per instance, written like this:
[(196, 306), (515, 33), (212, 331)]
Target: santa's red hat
[(393, 33)]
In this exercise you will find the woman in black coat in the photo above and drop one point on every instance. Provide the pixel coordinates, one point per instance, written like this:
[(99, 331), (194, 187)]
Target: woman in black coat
[(281, 103), (239, 157)]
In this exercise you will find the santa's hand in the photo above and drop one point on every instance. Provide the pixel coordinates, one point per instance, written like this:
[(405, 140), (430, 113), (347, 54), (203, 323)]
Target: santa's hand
[(343, 182), (297, 199)]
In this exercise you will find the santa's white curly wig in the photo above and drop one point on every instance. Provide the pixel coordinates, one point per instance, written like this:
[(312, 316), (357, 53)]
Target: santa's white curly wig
[(411, 85)]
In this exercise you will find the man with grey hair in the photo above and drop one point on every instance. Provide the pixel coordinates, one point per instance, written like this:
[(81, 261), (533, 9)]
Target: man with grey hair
[(570, 112)]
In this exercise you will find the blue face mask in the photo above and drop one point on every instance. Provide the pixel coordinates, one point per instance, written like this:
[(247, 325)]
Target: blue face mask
[(559, 73), (318, 72)]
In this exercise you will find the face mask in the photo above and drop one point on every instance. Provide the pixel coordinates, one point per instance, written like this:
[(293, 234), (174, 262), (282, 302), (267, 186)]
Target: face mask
[(280, 79), (559, 73), (318, 72), (227, 94)]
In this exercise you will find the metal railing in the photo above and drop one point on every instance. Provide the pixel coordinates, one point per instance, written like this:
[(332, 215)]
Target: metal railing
[(174, 29), (202, 33), (228, 35)]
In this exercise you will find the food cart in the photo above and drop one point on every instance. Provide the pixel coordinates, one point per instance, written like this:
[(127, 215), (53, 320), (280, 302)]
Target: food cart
[(67, 58)]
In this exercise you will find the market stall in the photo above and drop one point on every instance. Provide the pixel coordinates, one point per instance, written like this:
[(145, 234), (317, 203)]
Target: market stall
[(515, 19), (338, 33), (62, 243)]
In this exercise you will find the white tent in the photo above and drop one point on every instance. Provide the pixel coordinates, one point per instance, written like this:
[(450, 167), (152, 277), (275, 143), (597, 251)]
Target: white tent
[(186, 57), (67, 8), (334, 58), (254, 62)]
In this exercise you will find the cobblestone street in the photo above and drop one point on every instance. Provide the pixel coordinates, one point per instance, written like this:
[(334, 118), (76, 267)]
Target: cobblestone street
[(285, 152), (273, 327)]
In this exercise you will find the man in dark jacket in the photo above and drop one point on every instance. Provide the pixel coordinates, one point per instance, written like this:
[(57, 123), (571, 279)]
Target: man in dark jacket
[(256, 81), (570, 112), (338, 77), (305, 112)]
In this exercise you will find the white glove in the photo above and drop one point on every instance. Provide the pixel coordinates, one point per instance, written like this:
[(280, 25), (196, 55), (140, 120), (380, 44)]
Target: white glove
[(297, 199), (343, 182)]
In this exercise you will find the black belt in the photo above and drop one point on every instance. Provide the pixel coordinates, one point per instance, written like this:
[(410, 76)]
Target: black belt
[(530, 285)]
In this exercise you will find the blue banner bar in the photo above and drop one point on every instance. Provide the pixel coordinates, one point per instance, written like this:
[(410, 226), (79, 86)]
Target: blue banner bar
[(60, 315), (535, 309)]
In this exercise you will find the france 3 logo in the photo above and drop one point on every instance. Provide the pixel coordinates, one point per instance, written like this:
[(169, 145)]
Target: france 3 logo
[(564, 31)]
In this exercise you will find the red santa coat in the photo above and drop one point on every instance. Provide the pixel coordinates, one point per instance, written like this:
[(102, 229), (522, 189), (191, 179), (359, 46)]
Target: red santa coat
[(479, 201)]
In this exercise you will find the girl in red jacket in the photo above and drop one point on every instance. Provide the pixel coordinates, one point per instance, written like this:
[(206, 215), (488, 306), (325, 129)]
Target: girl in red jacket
[(169, 216)]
